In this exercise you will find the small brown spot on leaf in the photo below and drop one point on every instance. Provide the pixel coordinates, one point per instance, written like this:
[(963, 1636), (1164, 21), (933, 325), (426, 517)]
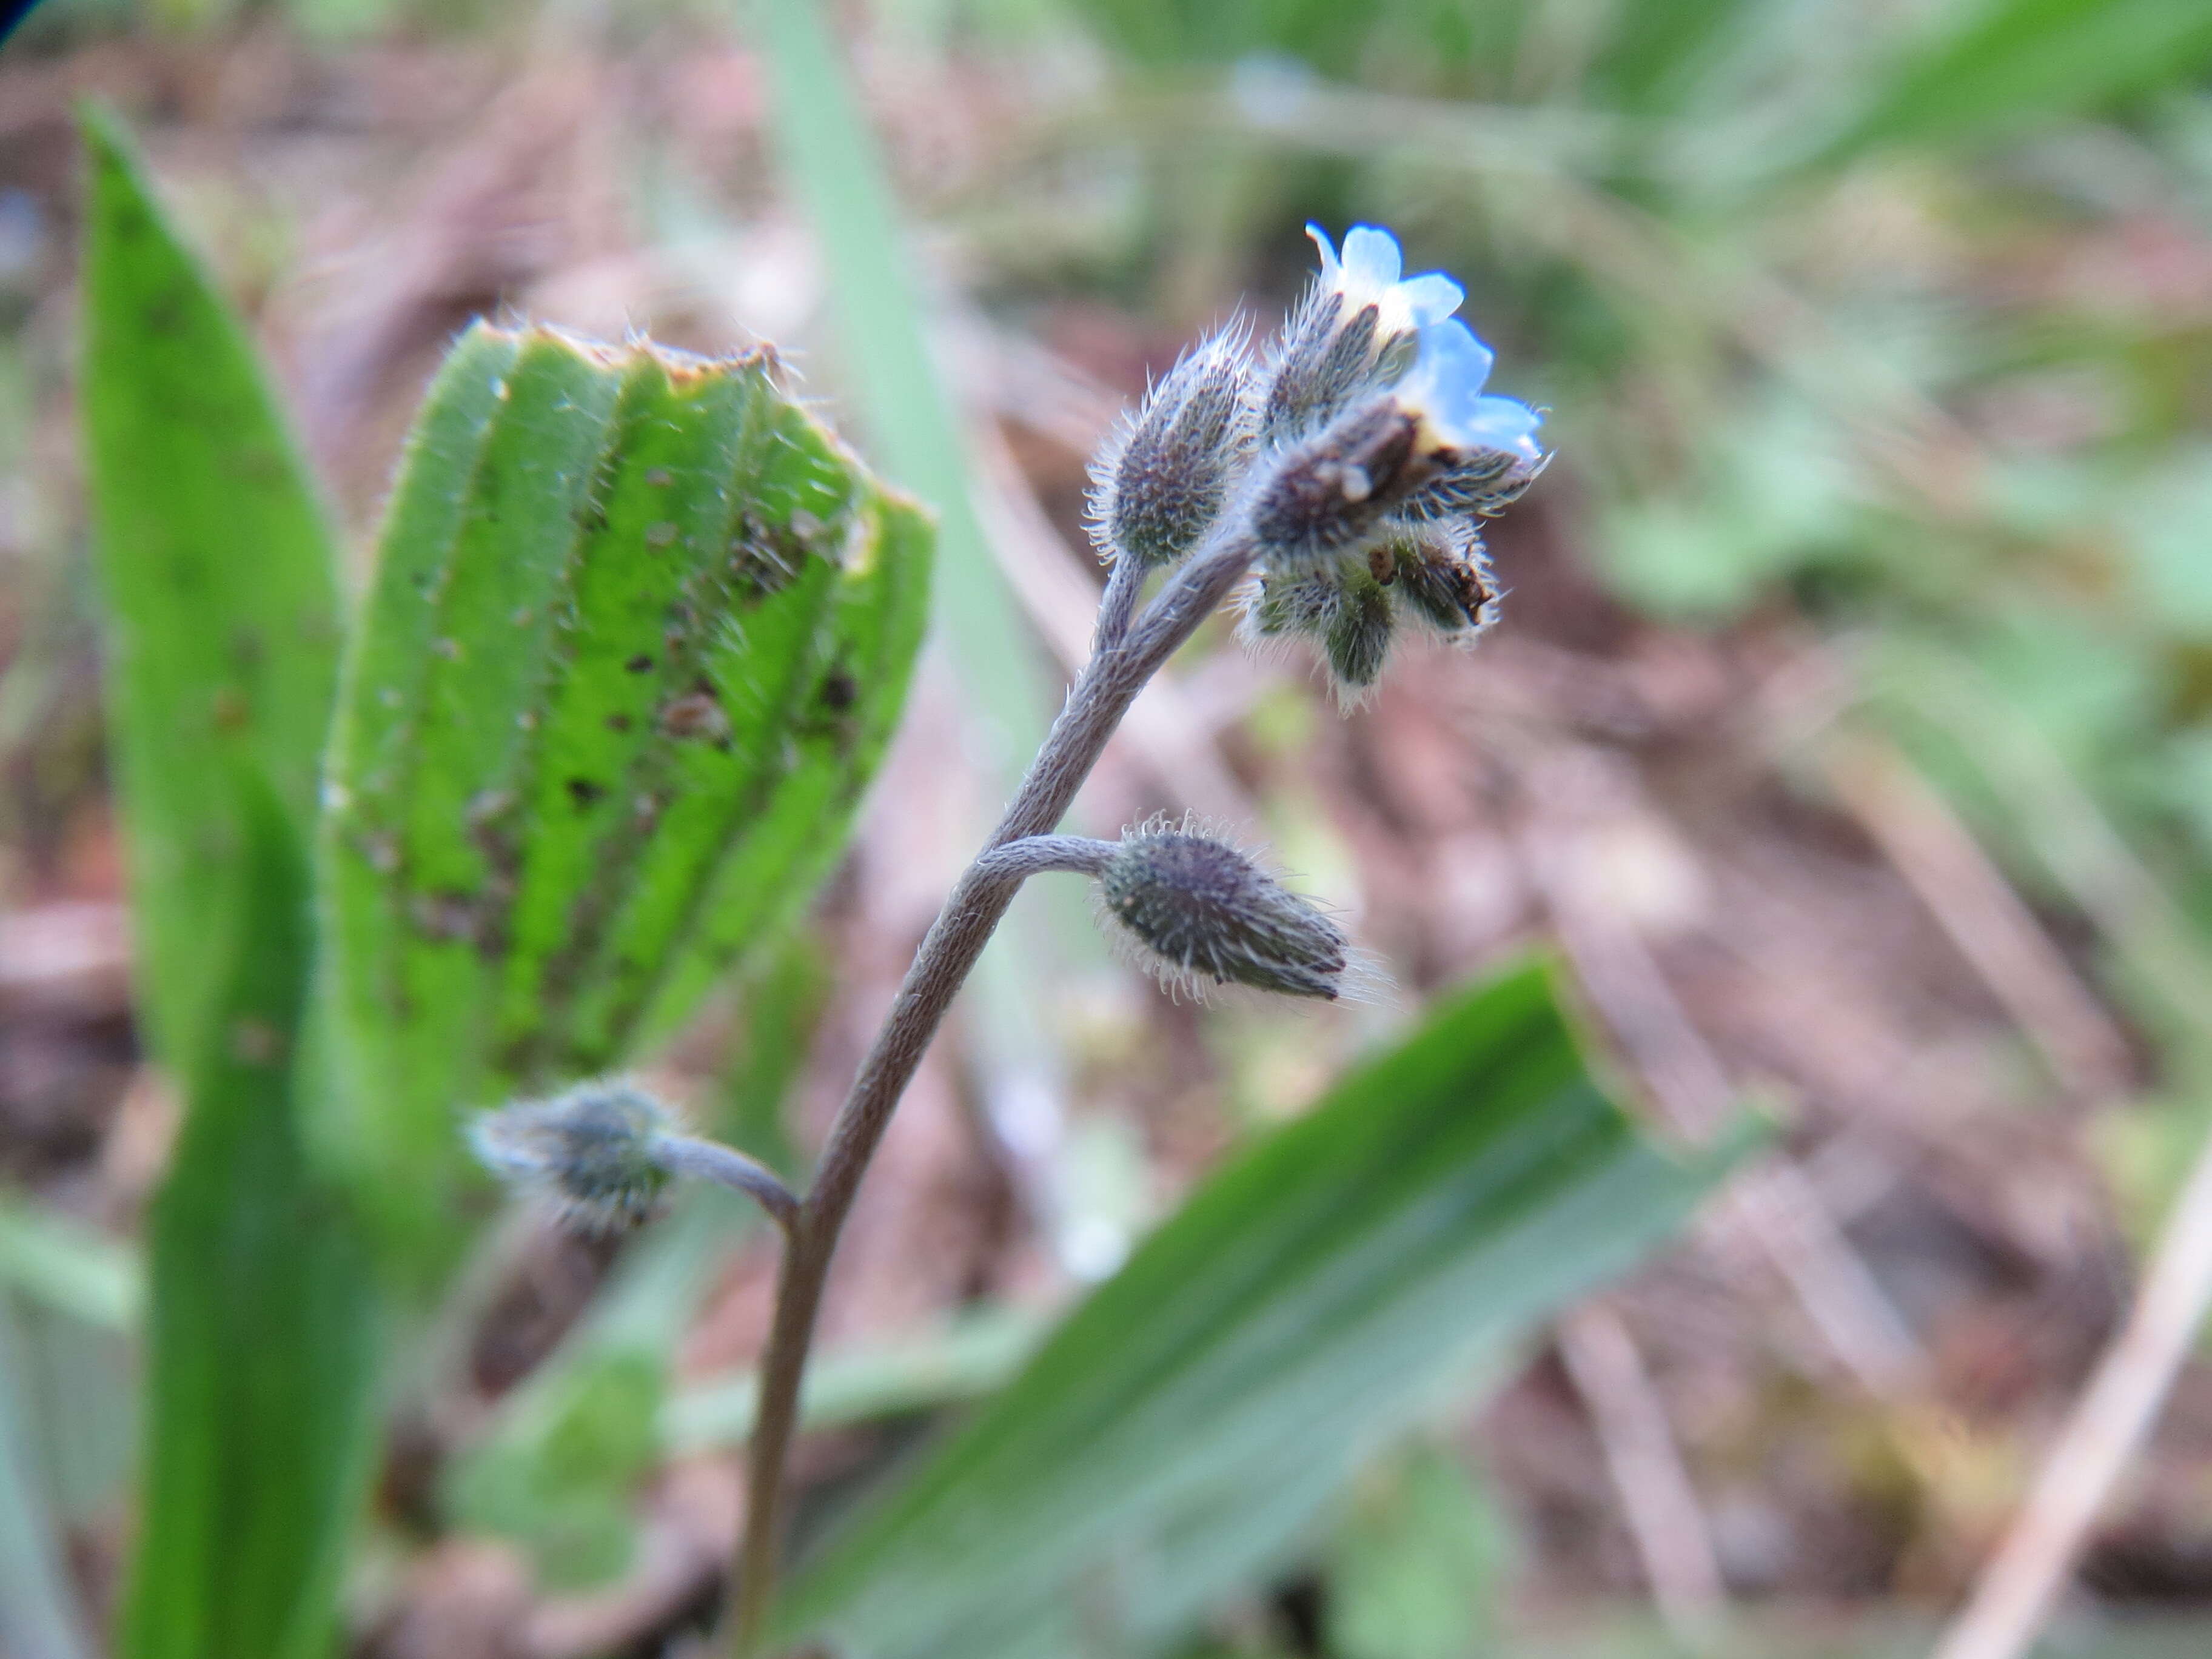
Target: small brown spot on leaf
[(255, 1041), (640, 664), (695, 714), (584, 792), (448, 915)]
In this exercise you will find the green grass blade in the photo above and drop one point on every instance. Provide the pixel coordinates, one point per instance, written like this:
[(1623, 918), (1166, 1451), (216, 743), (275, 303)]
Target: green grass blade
[(835, 169), (38, 1618), (214, 562), (2008, 65), (639, 631), (68, 1267), (261, 1353), (1180, 1427)]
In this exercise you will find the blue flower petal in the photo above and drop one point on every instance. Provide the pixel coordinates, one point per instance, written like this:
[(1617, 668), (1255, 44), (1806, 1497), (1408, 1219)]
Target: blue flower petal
[(1445, 389), (1505, 423), (1448, 372), (1329, 268), (1371, 257), (1432, 298)]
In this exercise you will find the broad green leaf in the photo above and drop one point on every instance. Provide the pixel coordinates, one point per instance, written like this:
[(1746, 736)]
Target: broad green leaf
[(1184, 1426), (261, 1350), (639, 631), (215, 563), (223, 653)]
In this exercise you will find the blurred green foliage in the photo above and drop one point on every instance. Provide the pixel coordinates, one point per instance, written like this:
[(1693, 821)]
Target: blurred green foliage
[(1854, 320)]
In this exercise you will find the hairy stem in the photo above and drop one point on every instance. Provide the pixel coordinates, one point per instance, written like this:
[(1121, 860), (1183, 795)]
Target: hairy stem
[(1036, 855), (709, 1160), (1119, 606), (1126, 657)]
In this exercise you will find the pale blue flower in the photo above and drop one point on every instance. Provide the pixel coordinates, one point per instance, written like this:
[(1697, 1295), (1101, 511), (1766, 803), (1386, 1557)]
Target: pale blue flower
[(1445, 388), (1368, 274)]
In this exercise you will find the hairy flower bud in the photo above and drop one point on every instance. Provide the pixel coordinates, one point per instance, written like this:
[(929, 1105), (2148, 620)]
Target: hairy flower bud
[(1358, 637), (1350, 604), (1442, 576), (1196, 912), (1158, 487), (589, 1151), (1335, 488), (1341, 606)]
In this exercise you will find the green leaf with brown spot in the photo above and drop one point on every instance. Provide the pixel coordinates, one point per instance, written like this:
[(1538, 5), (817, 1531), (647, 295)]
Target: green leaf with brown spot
[(640, 629), (222, 662), (214, 562)]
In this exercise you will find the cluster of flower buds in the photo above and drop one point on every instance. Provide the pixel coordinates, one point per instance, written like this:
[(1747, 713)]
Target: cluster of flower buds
[(1361, 449), (1195, 913)]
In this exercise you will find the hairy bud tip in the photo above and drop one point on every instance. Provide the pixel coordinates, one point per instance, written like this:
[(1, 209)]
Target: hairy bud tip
[(589, 1151)]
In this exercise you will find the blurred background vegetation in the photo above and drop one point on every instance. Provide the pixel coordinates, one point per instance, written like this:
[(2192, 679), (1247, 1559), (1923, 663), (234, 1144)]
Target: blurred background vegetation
[(1847, 728)]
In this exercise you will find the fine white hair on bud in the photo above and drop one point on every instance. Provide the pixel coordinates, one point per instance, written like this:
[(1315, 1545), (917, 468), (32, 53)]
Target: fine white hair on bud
[(1341, 607), (590, 1152), (1352, 605), (1159, 484), (1196, 913), (1440, 575)]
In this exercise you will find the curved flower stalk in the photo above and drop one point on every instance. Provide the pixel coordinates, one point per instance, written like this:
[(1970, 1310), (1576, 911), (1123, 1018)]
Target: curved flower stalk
[(1338, 481)]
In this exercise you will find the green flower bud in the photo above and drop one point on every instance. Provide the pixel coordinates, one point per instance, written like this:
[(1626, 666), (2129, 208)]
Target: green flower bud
[(1358, 637), (1342, 606), (590, 1152)]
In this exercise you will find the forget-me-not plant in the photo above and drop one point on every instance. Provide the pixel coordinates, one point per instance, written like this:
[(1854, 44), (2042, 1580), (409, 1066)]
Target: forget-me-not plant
[(1336, 484)]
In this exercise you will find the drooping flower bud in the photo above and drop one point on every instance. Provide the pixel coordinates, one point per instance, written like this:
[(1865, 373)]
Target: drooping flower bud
[(1159, 486), (1331, 490), (589, 1151), (1195, 913), (1353, 333), (1440, 575), (1358, 637), (1341, 606)]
